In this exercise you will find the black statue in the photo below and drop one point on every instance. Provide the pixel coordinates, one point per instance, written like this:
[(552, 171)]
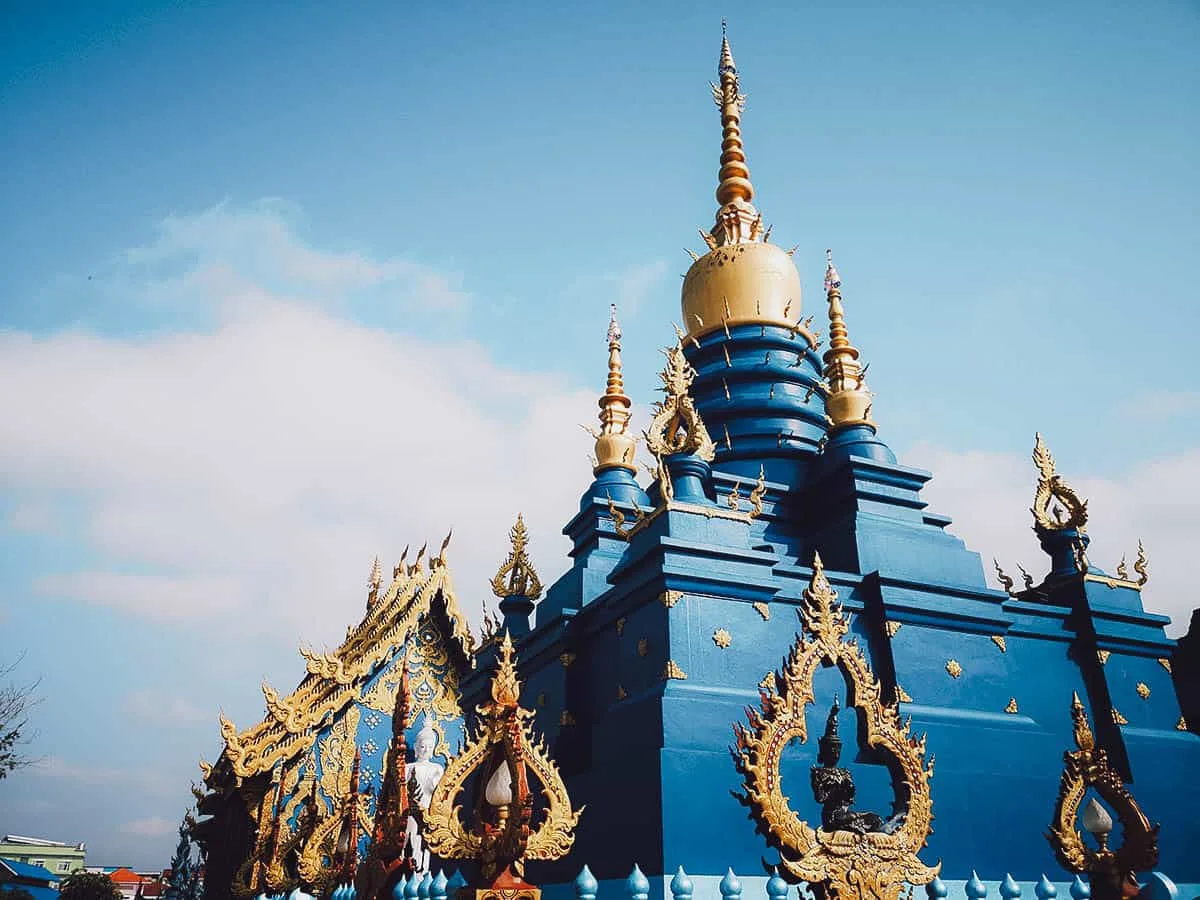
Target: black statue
[(833, 787)]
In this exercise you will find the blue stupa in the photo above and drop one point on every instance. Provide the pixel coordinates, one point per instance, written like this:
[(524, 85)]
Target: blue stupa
[(772, 484)]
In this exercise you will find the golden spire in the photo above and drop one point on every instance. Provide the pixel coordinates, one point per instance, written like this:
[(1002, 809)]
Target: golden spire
[(738, 221), (614, 445), (848, 401), (516, 577), (374, 582)]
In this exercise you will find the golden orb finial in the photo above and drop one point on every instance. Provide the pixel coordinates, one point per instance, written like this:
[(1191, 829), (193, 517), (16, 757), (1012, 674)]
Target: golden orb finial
[(615, 446), (742, 279), (848, 402)]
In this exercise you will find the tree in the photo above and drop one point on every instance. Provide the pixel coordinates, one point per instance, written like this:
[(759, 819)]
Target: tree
[(15, 893), (16, 700), (88, 886)]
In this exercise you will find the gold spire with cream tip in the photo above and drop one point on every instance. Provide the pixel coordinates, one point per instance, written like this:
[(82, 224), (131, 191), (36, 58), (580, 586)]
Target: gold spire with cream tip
[(742, 279), (848, 401), (615, 446)]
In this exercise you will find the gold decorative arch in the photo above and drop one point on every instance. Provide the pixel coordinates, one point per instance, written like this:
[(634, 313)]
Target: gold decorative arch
[(1088, 767), (676, 426), (502, 838), (847, 865), (1054, 495)]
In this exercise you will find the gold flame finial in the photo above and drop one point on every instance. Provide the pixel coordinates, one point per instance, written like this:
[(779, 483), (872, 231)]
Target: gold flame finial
[(516, 577), (506, 689), (848, 402), (374, 582), (615, 446)]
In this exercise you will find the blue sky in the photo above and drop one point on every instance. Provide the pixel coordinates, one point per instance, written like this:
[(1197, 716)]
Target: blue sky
[(289, 285)]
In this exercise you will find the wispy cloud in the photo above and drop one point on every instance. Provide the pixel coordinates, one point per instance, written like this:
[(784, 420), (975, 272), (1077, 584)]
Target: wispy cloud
[(157, 707), (1162, 405), (629, 288)]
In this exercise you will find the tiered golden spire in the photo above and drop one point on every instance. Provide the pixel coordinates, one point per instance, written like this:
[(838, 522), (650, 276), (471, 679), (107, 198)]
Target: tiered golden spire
[(615, 446), (743, 279), (848, 402), (737, 220)]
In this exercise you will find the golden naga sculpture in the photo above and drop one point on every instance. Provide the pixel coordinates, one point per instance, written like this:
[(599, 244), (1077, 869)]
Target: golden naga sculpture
[(1054, 496), (1109, 871), (501, 754), (676, 426), (853, 854), (516, 577)]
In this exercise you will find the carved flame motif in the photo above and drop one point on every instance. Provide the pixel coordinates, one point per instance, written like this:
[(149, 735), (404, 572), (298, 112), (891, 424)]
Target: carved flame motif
[(848, 865), (1054, 495), (1088, 767), (502, 738), (516, 577), (676, 426)]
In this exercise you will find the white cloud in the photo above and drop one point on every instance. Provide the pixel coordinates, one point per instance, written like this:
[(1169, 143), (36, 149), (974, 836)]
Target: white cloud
[(989, 495), (256, 466), (152, 826)]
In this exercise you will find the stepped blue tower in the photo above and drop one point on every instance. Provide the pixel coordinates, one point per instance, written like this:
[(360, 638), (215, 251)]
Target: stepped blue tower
[(683, 596)]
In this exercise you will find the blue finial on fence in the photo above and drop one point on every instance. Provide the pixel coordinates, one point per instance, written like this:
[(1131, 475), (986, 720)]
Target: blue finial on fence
[(937, 890), (411, 889), (423, 887), (975, 889), (638, 884), (1044, 890), (731, 888), (777, 888), (398, 888), (585, 885), (1080, 889), (339, 892), (437, 888), (681, 886), (1009, 889), (455, 884)]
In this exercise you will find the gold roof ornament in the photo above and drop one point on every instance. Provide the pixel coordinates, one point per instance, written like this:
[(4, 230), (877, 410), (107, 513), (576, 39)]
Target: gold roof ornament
[(847, 400), (374, 582), (1056, 507), (677, 426), (501, 837), (615, 446), (516, 577), (1088, 768), (742, 279), (875, 865)]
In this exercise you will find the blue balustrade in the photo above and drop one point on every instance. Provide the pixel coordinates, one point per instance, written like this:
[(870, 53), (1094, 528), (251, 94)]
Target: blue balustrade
[(681, 886), (1009, 889), (638, 884), (975, 889), (1044, 890), (777, 888), (423, 887), (437, 887), (398, 888), (412, 889), (585, 885), (731, 888), (1080, 889)]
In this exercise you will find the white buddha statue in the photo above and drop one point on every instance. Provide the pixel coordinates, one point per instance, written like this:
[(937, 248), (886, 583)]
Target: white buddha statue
[(423, 775)]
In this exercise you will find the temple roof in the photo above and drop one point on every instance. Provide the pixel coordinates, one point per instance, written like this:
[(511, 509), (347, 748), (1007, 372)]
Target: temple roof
[(339, 677)]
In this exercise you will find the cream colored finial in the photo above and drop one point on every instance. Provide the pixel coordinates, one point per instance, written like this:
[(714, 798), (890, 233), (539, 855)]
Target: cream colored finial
[(374, 582), (615, 446), (847, 402)]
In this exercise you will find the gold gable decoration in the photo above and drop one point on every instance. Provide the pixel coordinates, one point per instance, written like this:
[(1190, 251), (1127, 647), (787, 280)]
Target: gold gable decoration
[(501, 836), (336, 679), (1088, 767), (871, 866)]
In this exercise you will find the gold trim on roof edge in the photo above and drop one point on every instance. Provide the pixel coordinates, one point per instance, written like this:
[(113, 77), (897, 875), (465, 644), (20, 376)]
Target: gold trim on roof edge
[(337, 678)]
